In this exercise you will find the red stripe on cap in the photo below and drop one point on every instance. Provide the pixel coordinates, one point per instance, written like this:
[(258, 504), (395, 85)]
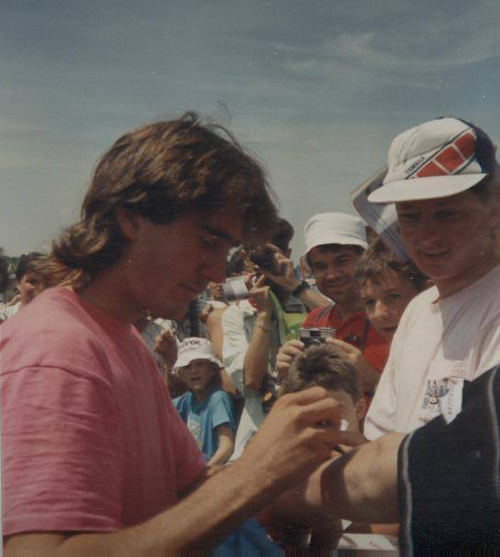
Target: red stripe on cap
[(430, 169), (450, 158), (467, 144)]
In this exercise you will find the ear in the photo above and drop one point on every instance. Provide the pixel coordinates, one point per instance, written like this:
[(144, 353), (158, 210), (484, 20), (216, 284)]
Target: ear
[(493, 220), (361, 408), (129, 222)]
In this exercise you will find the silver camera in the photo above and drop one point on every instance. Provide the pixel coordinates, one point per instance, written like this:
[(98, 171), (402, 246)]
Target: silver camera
[(235, 289), (316, 335)]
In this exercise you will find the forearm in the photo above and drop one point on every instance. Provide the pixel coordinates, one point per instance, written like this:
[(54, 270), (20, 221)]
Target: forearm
[(217, 506), (226, 447), (257, 355), (309, 297), (289, 446), (360, 486)]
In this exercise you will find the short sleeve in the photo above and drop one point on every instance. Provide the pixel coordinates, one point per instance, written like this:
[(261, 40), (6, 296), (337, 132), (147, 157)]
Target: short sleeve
[(486, 352), (221, 407), (62, 454)]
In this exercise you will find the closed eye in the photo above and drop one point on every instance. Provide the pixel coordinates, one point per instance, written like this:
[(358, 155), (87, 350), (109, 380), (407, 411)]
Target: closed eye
[(211, 243)]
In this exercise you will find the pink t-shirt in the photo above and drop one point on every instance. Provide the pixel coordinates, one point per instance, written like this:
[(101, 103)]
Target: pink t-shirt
[(91, 440)]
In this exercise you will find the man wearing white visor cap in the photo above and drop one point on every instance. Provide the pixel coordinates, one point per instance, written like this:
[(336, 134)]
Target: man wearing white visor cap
[(334, 244), (445, 181), (440, 481)]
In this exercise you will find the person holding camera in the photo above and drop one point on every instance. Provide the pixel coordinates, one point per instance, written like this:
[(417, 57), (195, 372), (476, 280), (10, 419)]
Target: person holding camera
[(334, 244), (251, 331)]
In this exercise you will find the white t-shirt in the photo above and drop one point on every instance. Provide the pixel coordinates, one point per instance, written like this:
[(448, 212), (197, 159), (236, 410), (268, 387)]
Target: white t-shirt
[(8, 310), (438, 345), (237, 323)]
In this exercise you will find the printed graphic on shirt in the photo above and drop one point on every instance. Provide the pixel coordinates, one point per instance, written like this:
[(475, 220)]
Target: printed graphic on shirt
[(436, 390)]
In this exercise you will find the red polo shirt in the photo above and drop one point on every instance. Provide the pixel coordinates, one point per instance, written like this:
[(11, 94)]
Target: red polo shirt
[(355, 330)]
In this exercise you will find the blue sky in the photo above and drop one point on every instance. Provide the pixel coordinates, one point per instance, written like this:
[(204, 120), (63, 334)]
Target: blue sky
[(315, 89)]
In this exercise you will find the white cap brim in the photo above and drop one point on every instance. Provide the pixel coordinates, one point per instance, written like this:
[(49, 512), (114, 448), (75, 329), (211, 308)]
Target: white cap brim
[(186, 359), (328, 239), (431, 187)]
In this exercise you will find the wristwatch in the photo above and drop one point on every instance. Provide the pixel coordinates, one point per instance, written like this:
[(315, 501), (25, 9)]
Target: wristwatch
[(303, 286)]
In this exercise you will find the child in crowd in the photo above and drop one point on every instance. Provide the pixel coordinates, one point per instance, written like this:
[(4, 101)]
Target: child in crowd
[(205, 408), (387, 286), (326, 366), (29, 283)]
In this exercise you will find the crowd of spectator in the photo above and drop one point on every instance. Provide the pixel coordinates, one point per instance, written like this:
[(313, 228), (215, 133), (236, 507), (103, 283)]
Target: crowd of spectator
[(173, 334)]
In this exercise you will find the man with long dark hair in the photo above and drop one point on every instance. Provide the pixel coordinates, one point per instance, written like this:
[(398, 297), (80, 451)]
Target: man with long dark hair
[(95, 457)]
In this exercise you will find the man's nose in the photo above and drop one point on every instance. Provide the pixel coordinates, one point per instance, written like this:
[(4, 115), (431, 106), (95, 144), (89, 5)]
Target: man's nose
[(428, 232), (332, 272)]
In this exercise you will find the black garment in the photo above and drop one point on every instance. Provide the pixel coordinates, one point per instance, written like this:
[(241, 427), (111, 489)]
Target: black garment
[(448, 477)]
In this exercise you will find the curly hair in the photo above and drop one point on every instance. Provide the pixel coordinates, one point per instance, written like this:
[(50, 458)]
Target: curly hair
[(324, 366), (378, 260), (162, 171)]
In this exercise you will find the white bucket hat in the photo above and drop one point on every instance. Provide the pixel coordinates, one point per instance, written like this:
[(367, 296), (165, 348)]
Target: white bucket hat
[(436, 159), (195, 348), (333, 228)]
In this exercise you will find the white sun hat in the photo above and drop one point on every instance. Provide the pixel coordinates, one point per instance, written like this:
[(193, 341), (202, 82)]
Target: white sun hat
[(333, 228), (195, 348)]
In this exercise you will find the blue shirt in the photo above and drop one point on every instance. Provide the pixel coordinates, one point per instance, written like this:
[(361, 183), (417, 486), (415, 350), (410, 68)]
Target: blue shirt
[(203, 417)]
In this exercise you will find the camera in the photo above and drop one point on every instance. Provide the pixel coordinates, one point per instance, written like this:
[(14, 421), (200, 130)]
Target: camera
[(235, 289), (316, 336)]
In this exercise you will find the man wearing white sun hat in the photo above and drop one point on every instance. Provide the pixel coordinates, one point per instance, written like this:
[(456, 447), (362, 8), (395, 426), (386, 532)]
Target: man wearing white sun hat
[(334, 244), (445, 181)]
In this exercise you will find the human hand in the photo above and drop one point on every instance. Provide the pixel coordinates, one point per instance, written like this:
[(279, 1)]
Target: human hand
[(351, 352), (286, 277), (297, 436), (206, 312), (286, 354), (166, 347), (368, 373), (259, 294)]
